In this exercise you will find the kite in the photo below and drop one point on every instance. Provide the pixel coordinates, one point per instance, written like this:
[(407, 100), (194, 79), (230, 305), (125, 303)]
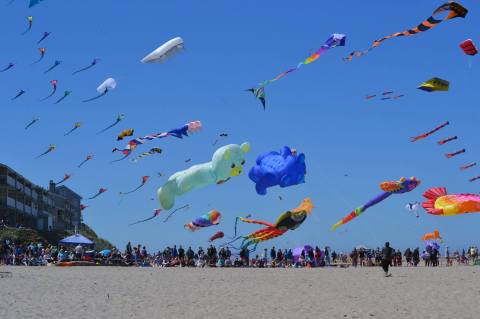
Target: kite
[(467, 166), (94, 62), (413, 207), (396, 97), (45, 35), (404, 185), (42, 54), (454, 9), (165, 51), (220, 135), (468, 47), (125, 133), (387, 92), (335, 40), (473, 179), (51, 148), (144, 181), (34, 3), (35, 120), (65, 178), (19, 94), (178, 133), (188, 160), (30, 24), (54, 89), (156, 212), (439, 203), (174, 211), (369, 97), (88, 158), (419, 137), (65, 94), (104, 88), (227, 162), (82, 207), (284, 168), (434, 84), (120, 117), (210, 219), (153, 151), (446, 140), (450, 155), (217, 235), (289, 220), (100, 191), (432, 236), (8, 67), (259, 94), (55, 64), (386, 98), (76, 126)]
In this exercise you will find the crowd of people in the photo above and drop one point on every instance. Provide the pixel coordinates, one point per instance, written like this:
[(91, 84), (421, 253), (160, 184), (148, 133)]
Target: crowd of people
[(38, 254)]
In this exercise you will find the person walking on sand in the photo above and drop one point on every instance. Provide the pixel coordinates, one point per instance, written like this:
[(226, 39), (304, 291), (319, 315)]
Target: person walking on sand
[(387, 254)]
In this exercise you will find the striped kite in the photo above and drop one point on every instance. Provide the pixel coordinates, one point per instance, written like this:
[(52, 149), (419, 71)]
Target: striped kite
[(259, 94), (153, 151), (454, 9)]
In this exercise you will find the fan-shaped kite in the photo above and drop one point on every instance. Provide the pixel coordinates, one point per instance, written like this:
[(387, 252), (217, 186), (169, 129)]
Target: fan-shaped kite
[(51, 148), (469, 47), (106, 86), (156, 212), (100, 192), (165, 51), (76, 126), (180, 132), (210, 219), (434, 84), (422, 136), (94, 62), (227, 162), (289, 220), (439, 203), (284, 168), (88, 158), (404, 185), (125, 133), (454, 9)]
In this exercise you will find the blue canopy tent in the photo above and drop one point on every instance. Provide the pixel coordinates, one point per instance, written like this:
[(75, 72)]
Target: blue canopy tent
[(75, 240)]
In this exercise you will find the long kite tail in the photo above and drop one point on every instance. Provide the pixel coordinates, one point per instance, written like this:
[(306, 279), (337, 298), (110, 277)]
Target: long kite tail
[(109, 127), (174, 211), (133, 190), (44, 153), (254, 221), (57, 63), (31, 123), (62, 98), (422, 136), (96, 195), (83, 162), (455, 11), (354, 214), (49, 96), (87, 67), (236, 223), (143, 220), (96, 97)]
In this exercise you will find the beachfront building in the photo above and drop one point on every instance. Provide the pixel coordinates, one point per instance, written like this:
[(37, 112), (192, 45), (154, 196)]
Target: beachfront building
[(26, 204)]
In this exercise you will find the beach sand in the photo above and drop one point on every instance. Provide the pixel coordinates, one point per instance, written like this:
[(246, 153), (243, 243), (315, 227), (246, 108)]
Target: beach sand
[(111, 292)]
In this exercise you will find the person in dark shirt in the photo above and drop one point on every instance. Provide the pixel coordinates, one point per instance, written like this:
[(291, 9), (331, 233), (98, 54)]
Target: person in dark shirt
[(387, 255)]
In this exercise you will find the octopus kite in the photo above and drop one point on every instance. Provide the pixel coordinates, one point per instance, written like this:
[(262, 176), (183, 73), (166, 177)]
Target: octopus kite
[(404, 185), (75, 127), (289, 220), (450, 155), (54, 89), (120, 117), (454, 9), (55, 64), (153, 151), (65, 94), (8, 67), (156, 213), (178, 133), (94, 62), (42, 54), (30, 24), (35, 120), (45, 35), (144, 181), (422, 136), (65, 178), (51, 148), (439, 203), (100, 192), (88, 158), (210, 219), (446, 140)]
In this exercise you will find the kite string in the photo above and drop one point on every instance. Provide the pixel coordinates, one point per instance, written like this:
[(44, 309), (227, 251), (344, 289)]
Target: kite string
[(174, 211)]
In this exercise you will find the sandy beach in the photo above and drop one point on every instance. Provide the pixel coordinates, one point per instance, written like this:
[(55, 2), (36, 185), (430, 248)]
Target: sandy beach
[(110, 292)]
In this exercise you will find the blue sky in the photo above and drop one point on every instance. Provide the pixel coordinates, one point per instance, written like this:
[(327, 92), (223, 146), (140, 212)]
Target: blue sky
[(319, 110)]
